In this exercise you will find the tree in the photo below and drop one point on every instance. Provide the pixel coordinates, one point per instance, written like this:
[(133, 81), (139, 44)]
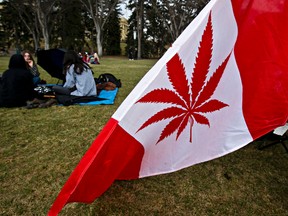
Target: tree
[(139, 17), (99, 10), (155, 44), (22, 9), (131, 35), (14, 30), (111, 41), (158, 23), (46, 11), (153, 25), (177, 14), (137, 21), (38, 16), (71, 29)]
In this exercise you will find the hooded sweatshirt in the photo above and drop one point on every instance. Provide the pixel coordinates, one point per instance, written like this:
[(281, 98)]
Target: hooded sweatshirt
[(16, 84)]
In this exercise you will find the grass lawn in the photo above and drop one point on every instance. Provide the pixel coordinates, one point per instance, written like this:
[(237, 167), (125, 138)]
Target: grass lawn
[(39, 148)]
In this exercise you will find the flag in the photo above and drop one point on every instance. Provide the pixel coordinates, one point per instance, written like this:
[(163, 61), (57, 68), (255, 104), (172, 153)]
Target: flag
[(221, 85)]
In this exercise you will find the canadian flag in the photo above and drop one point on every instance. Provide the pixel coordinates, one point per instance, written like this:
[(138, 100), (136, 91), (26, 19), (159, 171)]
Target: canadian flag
[(222, 84)]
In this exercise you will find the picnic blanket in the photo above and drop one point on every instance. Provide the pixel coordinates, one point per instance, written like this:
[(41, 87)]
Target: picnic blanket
[(108, 98), (105, 97)]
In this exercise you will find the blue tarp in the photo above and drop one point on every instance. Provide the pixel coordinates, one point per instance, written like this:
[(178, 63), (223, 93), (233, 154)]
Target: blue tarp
[(109, 97)]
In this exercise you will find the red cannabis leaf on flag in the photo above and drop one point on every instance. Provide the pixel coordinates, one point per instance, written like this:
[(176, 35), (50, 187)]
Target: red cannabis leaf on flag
[(191, 101)]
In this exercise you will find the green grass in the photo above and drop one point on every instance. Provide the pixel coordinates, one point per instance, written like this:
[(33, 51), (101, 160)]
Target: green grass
[(39, 148)]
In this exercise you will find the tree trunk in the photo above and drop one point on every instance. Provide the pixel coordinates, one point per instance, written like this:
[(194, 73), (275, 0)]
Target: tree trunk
[(98, 36), (139, 15), (96, 10), (46, 39), (99, 44), (44, 28), (35, 41), (31, 24), (43, 10)]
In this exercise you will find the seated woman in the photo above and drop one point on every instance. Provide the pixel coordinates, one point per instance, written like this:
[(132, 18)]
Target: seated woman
[(86, 57), (31, 65), (95, 59), (79, 77), (16, 84)]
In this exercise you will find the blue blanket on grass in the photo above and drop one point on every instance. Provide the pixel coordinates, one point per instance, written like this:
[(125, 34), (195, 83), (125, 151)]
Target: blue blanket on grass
[(107, 96)]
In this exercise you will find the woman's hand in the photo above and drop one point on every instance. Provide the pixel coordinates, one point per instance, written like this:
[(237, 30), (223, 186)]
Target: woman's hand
[(30, 62)]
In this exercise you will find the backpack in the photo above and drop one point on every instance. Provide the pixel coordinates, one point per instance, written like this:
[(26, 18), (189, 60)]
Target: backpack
[(107, 77)]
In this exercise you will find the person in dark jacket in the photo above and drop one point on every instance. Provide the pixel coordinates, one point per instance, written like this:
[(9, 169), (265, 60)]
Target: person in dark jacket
[(16, 84)]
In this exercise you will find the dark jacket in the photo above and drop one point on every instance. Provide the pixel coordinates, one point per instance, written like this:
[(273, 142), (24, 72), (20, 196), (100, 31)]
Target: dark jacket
[(16, 84)]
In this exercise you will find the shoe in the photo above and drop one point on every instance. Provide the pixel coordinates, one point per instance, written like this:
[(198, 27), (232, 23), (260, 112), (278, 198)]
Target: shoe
[(35, 101), (49, 103), (31, 106)]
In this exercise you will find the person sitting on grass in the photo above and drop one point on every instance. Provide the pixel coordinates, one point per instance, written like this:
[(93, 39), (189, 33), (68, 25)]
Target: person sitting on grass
[(79, 77), (31, 65), (79, 81), (95, 59), (16, 84)]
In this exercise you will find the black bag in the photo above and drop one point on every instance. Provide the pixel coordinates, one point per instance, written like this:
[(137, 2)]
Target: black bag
[(107, 77)]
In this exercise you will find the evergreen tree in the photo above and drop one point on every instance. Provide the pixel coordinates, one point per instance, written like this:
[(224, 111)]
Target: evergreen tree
[(112, 33), (156, 43), (137, 25), (99, 11), (14, 32), (71, 27)]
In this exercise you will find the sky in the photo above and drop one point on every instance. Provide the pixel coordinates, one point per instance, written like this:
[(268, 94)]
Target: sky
[(126, 13)]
